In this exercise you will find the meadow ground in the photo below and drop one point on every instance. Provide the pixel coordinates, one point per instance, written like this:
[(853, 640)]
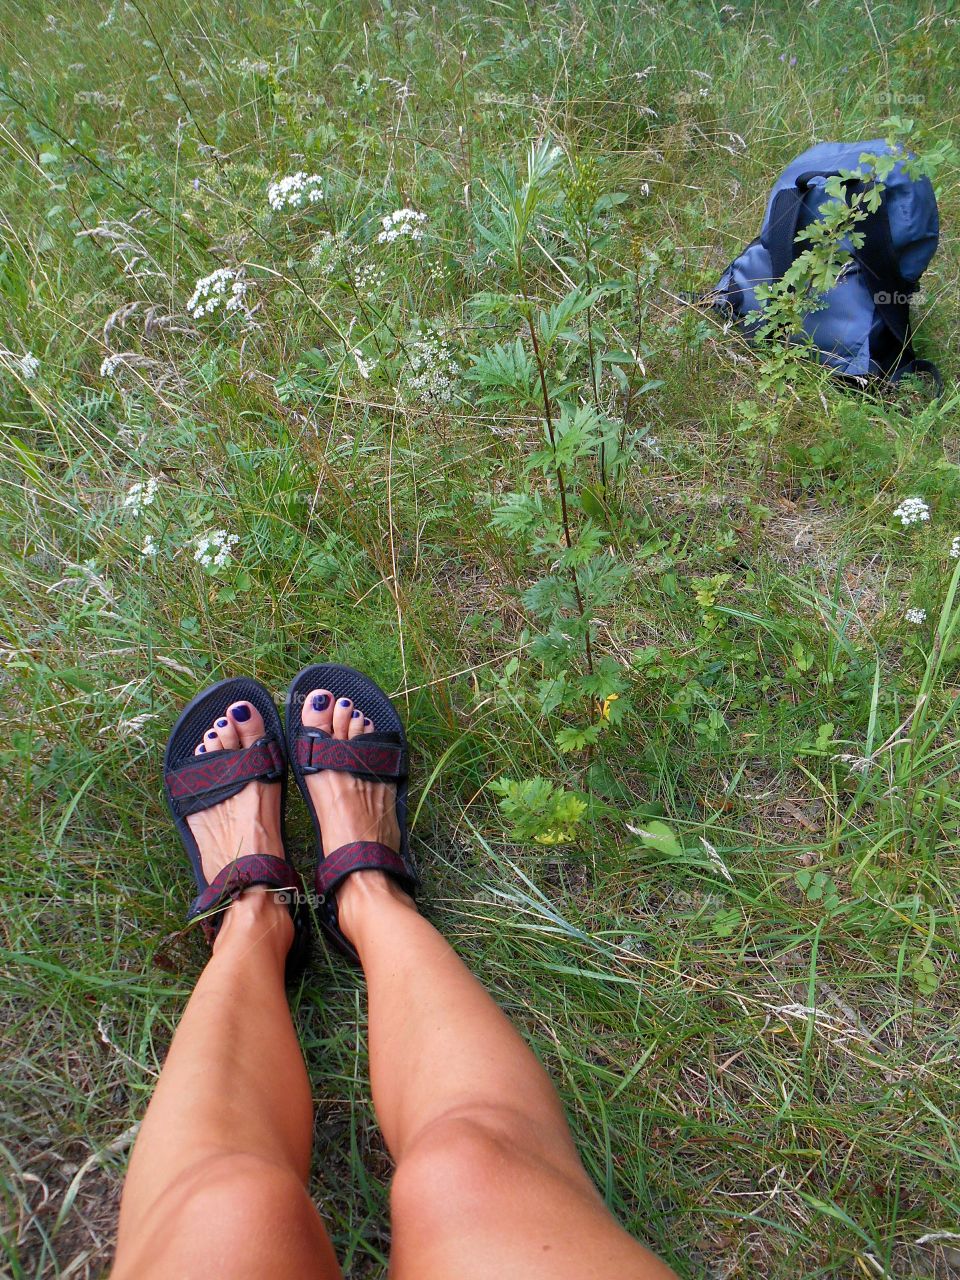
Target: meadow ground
[(684, 783)]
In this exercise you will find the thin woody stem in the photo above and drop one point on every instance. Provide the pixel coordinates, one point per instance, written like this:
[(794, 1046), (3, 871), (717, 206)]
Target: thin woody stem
[(561, 483), (593, 367)]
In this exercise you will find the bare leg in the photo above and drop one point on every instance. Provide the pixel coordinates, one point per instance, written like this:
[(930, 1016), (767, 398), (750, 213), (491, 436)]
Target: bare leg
[(216, 1185), (488, 1180)]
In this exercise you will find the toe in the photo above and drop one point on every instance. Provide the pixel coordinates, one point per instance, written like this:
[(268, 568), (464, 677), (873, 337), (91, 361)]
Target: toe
[(247, 721), (342, 715), (227, 733), (318, 710), (355, 728), (211, 742), (368, 725)]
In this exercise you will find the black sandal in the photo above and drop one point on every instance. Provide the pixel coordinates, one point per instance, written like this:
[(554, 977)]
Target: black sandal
[(380, 756), (193, 783)]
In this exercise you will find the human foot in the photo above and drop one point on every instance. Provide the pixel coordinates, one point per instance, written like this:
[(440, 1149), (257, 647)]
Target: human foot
[(351, 809), (246, 823)]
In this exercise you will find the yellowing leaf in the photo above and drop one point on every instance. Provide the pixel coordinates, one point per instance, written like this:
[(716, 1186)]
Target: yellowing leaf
[(604, 706)]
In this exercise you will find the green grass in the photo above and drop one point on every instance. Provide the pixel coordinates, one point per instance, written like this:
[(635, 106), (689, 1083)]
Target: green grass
[(750, 1010)]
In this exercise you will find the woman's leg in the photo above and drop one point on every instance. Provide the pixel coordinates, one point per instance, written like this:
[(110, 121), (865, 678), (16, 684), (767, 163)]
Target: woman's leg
[(216, 1185), (488, 1181)]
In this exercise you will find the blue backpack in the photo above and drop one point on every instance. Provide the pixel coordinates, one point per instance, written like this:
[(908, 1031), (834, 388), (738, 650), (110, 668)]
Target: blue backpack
[(864, 328)]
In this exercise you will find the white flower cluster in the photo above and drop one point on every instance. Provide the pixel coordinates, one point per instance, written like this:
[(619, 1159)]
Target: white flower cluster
[(215, 548), (111, 363), (140, 495), (916, 616), (334, 253), (364, 367), (150, 548), (433, 371), (368, 278), (955, 549), (325, 254), (224, 287), (295, 190), (912, 511), (402, 223), (27, 365)]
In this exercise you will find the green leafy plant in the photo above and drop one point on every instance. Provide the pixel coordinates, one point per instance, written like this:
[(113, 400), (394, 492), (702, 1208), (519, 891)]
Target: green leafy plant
[(818, 888), (540, 811), (553, 518)]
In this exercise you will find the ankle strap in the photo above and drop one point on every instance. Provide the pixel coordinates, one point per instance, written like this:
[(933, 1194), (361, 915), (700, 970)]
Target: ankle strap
[(361, 855)]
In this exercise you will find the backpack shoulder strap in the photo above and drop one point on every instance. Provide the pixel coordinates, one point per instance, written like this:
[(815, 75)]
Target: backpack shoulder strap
[(781, 230), (780, 233), (878, 257)]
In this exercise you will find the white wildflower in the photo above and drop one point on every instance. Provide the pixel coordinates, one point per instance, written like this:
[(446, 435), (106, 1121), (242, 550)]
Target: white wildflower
[(27, 365), (955, 549), (110, 364), (223, 287), (149, 548), (140, 495), (912, 511), (364, 367), (333, 254), (433, 371), (295, 190), (402, 223), (368, 279), (214, 549), (325, 254), (916, 616)]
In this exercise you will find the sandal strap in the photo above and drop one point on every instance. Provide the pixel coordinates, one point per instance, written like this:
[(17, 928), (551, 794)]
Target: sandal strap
[(379, 756), (361, 855), (207, 780), (238, 876)]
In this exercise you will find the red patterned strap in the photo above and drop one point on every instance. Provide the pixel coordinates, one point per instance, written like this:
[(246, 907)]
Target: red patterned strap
[(241, 874), (361, 855), (222, 769), (377, 755)]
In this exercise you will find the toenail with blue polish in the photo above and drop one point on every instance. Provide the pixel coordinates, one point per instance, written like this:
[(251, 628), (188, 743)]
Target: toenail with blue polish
[(212, 733), (365, 723), (222, 724), (355, 714), (344, 702), (241, 712), (320, 701), (202, 749)]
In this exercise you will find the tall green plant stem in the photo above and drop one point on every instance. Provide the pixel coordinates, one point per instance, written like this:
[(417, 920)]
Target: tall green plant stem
[(561, 482)]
